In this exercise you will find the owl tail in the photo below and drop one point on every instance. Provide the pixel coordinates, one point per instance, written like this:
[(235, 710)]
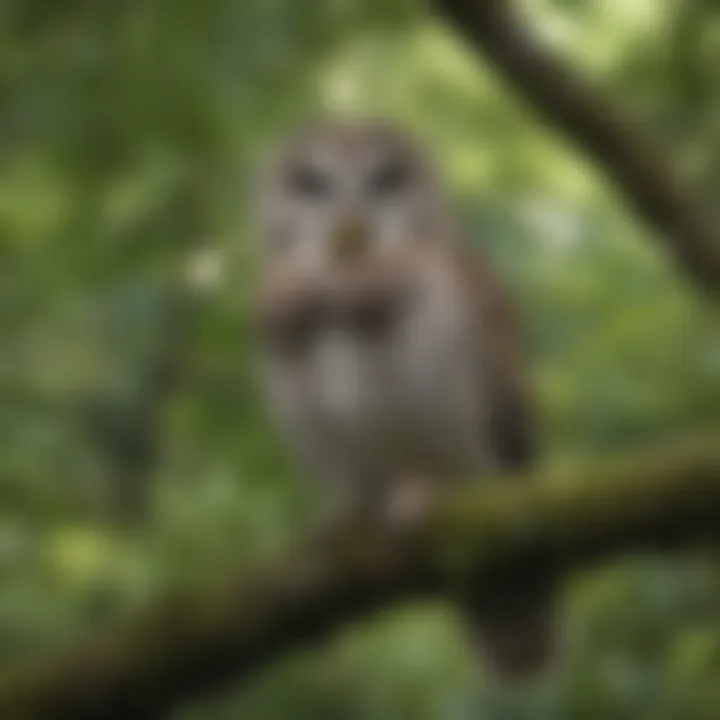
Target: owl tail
[(515, 627)]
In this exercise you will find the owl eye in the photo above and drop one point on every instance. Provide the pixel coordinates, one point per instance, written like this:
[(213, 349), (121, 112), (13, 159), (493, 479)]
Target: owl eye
[(388, 179), (309, 182)]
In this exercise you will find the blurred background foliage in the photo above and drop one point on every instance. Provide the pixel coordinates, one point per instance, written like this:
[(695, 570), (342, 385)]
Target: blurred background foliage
[(129, 136)]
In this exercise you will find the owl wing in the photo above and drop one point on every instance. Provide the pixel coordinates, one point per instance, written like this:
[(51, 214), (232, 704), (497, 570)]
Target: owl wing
[(513, 619), (505, 378)]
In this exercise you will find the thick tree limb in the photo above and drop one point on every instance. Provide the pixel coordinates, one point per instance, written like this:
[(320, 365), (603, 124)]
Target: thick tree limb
[(189, 644), (631, 160)]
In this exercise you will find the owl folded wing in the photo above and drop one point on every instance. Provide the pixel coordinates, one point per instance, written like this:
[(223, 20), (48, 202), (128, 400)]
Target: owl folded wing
[(505, 380)]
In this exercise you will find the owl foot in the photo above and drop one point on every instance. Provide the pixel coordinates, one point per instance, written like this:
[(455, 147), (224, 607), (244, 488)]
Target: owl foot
[(408, 501), (349, 509)]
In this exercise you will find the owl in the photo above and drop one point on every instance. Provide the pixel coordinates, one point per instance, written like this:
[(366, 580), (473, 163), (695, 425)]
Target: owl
[(389, 350)]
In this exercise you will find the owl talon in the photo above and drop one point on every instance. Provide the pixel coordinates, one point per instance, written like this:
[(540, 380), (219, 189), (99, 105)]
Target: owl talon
[(408, 503)]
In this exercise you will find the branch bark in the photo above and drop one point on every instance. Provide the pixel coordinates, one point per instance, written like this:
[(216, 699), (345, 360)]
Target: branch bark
[(631, 160), (191, 643)]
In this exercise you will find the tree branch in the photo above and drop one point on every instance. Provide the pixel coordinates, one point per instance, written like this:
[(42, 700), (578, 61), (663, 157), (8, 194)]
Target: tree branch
[(630, 159), (191, 643)]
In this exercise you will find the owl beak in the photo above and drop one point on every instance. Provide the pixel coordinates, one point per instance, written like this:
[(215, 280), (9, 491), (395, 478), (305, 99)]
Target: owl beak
[(350, 238)]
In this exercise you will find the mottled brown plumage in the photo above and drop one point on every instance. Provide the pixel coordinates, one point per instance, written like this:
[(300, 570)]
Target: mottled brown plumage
[(391, 354)]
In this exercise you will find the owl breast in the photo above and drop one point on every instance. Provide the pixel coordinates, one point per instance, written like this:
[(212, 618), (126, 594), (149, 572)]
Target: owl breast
[(393, 395)]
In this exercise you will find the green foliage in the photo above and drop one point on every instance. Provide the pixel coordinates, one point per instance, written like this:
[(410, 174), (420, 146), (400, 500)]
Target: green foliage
[(129, 134)]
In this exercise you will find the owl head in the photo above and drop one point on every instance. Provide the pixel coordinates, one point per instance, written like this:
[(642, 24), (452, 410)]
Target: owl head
[(340, 191)]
